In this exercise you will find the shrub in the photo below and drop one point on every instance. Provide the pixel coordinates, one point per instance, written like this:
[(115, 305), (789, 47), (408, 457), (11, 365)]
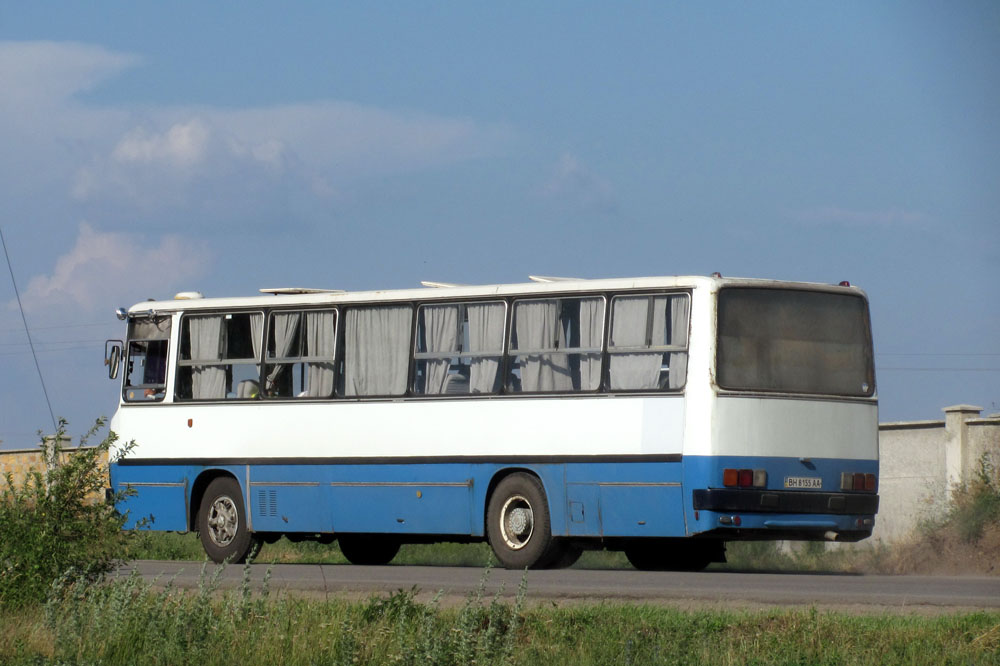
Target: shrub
[(57, 521), (976, 505)]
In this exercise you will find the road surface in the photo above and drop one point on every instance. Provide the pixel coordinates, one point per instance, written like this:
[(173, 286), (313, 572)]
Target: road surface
[(855, 593)]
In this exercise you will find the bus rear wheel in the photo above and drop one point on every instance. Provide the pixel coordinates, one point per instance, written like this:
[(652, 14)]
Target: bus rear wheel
[(657, 555), (368, 548), (222, 524), (518, 524)]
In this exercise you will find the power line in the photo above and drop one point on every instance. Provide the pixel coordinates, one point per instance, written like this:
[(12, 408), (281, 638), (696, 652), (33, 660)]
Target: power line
[(27, 332)]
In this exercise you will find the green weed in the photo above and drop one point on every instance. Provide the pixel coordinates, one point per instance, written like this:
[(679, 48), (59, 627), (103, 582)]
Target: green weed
[(57, 521)]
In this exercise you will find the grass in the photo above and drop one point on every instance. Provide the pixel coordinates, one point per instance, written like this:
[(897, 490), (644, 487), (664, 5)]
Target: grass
[(127, 622), (742, 556)]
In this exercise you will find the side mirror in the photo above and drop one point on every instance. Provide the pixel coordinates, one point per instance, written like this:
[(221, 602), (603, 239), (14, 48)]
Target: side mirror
[(113, 357)]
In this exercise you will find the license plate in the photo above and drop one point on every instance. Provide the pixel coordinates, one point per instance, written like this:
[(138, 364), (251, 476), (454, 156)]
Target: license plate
[(803, 482)]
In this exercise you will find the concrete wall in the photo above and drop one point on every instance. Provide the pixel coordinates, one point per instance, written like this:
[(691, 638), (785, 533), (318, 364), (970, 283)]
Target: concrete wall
[(921, 461)]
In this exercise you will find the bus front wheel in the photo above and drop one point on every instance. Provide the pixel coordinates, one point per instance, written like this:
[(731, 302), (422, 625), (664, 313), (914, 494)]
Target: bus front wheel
[(222, 523), (518, 525)]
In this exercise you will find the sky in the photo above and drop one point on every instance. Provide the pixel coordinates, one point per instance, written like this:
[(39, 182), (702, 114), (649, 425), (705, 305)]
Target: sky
[(151, 148)]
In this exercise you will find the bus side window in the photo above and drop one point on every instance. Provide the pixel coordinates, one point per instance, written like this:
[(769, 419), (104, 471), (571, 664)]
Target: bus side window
[(376, 350), (459, 348), (648, 345), (556, 345), (146, 366), (300, 356), (220, 356)]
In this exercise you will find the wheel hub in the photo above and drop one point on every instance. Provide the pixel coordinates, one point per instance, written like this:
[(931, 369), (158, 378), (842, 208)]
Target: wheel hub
[(517, 522)]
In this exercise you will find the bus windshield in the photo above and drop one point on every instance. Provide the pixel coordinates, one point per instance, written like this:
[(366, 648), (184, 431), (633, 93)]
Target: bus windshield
[(794, 341)]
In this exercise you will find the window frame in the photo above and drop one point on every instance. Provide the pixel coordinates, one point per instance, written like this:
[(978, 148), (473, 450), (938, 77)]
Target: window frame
[(268, 325), (416, 356), (126, 387), (187, 363), (339, 381), (872, 392), (511, 353), (612, 350)]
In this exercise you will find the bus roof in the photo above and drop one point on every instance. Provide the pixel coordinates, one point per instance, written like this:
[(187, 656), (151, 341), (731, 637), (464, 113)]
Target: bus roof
[(285, 296)]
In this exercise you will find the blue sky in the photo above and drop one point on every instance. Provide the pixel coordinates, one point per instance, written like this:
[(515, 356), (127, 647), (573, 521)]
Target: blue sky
[(150, 148)]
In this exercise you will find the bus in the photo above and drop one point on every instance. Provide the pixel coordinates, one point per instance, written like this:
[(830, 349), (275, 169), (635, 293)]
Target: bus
[(659, 416)]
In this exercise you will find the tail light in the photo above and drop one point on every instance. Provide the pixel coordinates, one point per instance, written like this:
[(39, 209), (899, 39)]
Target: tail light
[(744, 478), (858, 481)]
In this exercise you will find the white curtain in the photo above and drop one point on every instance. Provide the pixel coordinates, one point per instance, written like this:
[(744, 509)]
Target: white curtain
[(285, 326), (538, 328), (320, 339), (256, 335), (679, 307), (376, 350), (208, 382), (636, 370), (441, 336), (591, 334), (486, 322)]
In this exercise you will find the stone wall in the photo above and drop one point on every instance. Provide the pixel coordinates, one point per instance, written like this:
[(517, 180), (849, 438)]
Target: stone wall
[(21, 462)]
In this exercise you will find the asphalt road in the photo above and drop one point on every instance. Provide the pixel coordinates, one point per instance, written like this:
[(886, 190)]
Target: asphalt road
[(855, 593)]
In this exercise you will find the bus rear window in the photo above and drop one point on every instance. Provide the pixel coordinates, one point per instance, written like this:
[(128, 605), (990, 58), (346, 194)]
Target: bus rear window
[(794, 341)]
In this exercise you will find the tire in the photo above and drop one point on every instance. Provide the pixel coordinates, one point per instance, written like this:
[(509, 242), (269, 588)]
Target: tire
[(222, 523), (370, 549), (518, 524), (564, 555), (672, 556)]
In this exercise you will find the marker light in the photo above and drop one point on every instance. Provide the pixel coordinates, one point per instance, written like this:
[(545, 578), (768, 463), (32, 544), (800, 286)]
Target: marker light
[(845, 283)]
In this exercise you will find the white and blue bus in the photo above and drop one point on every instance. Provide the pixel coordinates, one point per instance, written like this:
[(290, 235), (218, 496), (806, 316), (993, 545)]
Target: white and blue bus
[(661, 416)]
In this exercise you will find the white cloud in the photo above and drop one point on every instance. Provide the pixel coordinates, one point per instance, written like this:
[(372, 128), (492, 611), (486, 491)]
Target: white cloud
[(104, 268), (181, 145), (126, 159), (573, 183), (42, 73), (833, 215)]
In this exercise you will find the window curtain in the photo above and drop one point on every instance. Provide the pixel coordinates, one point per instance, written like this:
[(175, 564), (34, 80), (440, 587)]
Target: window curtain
[(208, 382), (285, 326), (538, 328), (486, 322), (376, 350), (440, 337), (591, 335), (635, 370), (321, 329), (679, 308), (256, 335)]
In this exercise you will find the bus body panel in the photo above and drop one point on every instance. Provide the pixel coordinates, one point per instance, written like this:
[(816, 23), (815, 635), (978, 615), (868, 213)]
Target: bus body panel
[(618, 499), (507, 428), (793, 427)]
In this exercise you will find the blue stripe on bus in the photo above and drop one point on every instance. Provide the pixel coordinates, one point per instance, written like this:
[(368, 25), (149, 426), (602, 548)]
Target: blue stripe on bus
[(600, 499)]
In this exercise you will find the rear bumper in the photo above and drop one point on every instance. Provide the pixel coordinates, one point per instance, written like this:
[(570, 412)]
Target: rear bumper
[(726, 500)]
